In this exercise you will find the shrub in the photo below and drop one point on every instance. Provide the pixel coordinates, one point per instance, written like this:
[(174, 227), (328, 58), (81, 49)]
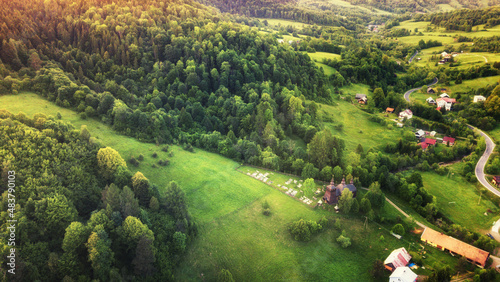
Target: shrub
[(141, 157), (266, 212), (164, 163), (188, 147), (154, 155), (165, 148), (343, 240), (398, 229), (302, 230), (133, 161)]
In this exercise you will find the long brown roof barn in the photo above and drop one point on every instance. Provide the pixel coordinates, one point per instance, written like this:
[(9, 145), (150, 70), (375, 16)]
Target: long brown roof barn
[(455, 246)]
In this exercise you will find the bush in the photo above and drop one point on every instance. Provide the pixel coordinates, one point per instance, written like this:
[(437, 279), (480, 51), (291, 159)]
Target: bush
[(398, 229), (188, 147), (343, 240), (165, 148), (164, 163), (141, 157), (266, 212), (302, 230), (154, 155), (133, 161)]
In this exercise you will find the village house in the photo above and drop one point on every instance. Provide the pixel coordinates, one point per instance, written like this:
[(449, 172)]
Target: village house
[(398, 258), (419, 134), (389, 110), (430, 90), (433, 133), (479, 98), (444, 95), (496, 180), (430, 100), (408, 114), (362, 98), (455, 247), (333, 191), (449, 140), (445, 103), (403, 274), (427, 142)]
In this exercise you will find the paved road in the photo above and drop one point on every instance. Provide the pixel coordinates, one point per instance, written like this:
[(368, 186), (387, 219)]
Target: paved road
[(490, 146), (412, 57), (407, 94)]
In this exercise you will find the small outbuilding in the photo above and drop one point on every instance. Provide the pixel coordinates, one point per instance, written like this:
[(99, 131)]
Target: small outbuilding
[(430, 90), (496, 180), (389, 110), (430, 100), (479, 98), (403, 274), (398, 258), (449, 140), (362, 98)]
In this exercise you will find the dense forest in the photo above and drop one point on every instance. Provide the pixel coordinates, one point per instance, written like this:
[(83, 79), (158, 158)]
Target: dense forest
[(80, 212), (464, 19)]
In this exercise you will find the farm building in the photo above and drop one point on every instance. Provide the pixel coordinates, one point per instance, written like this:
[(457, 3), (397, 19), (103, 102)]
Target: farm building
[(496, 180), (455, 247), (430, 100), (444, 95), (362, 98), (479, 98), (445, 103), (403, 274), (398, 258), (449, 140), (420, 133), (408, 114), (389, 110), (427, 142), (430, 90), (333, 191)]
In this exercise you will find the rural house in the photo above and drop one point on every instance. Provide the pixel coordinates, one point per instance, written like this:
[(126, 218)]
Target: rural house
[(448, 140), (362, 98), (333, 192), (445, 103), (430, 90), (496, 180), (389, 110), (398, 258), (408, 114), (444, 95), (455, 247), (419, 134), (430, 100), (479, 98), (427, 142), (403, 274)]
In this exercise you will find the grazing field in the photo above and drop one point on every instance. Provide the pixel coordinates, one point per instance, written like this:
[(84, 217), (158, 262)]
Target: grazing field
[(458, 200), (495, 134), (327, 69), (320, 56), (283, 23), (227, 205), (357, 129)]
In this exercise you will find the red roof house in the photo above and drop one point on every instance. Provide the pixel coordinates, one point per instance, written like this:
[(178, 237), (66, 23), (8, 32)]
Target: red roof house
[(496, 180), (427, 142), (448, 140), (398, 258)]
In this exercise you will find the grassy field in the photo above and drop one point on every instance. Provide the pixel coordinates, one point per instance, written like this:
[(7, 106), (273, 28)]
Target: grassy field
[(283, 23), (357, 129), (227, 206), (495, 134), (327, 69), (458, 200), (319, 56)]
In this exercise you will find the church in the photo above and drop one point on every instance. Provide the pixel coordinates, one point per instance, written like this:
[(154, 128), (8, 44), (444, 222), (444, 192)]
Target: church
[(333, 192)]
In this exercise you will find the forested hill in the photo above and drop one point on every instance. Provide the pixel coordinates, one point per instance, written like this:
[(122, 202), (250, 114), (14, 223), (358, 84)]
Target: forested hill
[(464, 19), (402, 6), (80, 212)]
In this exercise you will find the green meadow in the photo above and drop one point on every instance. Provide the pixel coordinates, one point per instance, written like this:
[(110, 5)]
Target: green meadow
[(458, 200), (327, 69), (227, 206), (320, 56)]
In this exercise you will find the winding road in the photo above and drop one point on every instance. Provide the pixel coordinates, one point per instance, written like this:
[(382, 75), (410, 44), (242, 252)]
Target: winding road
[(407, 93), (412, 57), (490, 146)]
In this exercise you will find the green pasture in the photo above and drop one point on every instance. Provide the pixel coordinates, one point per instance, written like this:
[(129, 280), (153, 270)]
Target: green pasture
[(495, 134), (353, 89), (227, 205), (357, 129), (284, 23), (458, 200), (320, 56), (326, 69)]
